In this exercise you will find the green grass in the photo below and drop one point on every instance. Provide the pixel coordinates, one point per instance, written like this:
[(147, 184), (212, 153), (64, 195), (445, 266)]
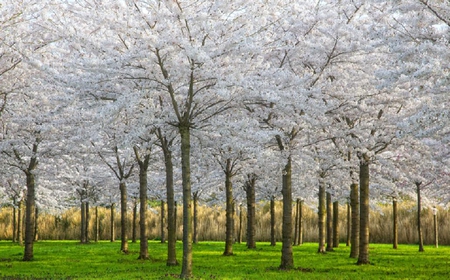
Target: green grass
[(103, 260)]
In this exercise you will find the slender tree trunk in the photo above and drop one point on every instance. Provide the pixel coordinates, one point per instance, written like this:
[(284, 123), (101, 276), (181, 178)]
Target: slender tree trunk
[(336, 224), (229, 230), (436, 232), (321, 221), (88, 217), (287, 258), (329, 220), (83, 222), (349, 224), (20, 223), (113, 228), (97, 225), (296, 222), (14, 224), (134, 227), (273, 241), (29, 216), (241, 218), (395, 225), (143, 244), (186, 270), (171, 205), (163, 221), (36, 225), (195, 202), (364, 176), (419, 210), (354, 203), (123, 218), (300, 223), (251, 211)]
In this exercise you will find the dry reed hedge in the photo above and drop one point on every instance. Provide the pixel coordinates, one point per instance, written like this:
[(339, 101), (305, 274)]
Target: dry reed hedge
[(211, 225)]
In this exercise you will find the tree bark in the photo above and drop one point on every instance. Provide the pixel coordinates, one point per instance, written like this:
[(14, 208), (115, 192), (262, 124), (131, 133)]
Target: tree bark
[(273, 241), (96, 225), (296, 222), (329, 221), (395, 225), (241, 218), (300, 223), (36, 225), (123, 218), (134, 226), (186, 270), (112, 225), (83, 222), (436, 232), (364, 176), (419, 223), (163, 221), (287, 259), (20, 223), (321, 218), (143, 170), (171, 207), (251, 211), (29, 215), (349, 224), (86, 229), (354, 203), (336, 224), (195, 202), (14, 231), (229, 225)]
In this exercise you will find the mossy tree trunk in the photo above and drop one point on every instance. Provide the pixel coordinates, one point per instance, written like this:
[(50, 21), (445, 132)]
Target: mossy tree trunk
[(354, 205), (241, 221), (134, 226), (20, 223)]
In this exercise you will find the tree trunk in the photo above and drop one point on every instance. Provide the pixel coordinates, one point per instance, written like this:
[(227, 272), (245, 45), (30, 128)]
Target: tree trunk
[(163, 221), (171, 206), (296, 222), (195, 202), (83, 222), (354, 203), (186, 270), (300, 223), (97, 225), (436, 232), (364, 176), (134, 227), (86, 229), (113, 228), (336, 224), (29, 216), (419, 223), (123, 218), (36, 226), (229, 230), (14, 224), (143, 244), (241, 218), (251, 211), (349, 224), (273, 241), (20, 223), (329, 220), (321, 214), (287, 259), (395, 225)]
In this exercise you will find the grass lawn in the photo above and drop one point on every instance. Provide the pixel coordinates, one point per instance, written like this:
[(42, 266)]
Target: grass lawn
[(103, 260)]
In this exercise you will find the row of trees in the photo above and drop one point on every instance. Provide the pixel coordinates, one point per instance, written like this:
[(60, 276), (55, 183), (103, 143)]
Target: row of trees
[(283, 99)]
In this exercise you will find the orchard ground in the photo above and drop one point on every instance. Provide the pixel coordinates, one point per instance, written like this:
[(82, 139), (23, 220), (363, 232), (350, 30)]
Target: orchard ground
[(103, 260)]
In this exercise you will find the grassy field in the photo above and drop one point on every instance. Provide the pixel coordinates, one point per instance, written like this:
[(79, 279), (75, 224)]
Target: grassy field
[(103, 260)]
